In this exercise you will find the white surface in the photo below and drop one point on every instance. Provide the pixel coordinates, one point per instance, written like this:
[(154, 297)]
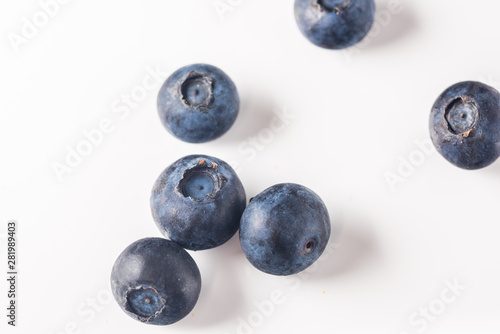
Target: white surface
[(353, 122)]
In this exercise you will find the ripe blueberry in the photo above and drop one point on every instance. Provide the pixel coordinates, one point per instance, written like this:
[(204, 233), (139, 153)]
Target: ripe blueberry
[(284, 229), (198, 103), (198, 201), (334, 24), (465, 124), (156, 281)]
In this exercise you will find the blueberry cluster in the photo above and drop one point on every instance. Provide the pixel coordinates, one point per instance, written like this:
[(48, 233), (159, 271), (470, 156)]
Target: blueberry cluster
[(199, 202)]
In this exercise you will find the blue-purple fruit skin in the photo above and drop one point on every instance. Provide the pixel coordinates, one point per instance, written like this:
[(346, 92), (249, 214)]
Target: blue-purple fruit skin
[(284, 229), (465, 125), (213, 108), (155, 281), (334, 24), (202, 222)]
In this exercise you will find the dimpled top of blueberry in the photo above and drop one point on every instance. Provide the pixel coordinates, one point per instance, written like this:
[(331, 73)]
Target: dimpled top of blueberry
[(334, 5), (145, 302), (198, 185), (202, 181), (197, 90), (461, 115)]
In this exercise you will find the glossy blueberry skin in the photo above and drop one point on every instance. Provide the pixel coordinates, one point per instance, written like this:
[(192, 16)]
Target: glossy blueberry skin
[(334, 24), (465, 124), (284, 229), (155, 281), (198, 103), (185, 216)]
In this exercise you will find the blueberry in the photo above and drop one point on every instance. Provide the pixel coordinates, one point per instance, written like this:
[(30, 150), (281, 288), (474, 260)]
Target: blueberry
[(198, 103), (465, 124), (284, 229), (156, 281), (334, 24), (198, 201)]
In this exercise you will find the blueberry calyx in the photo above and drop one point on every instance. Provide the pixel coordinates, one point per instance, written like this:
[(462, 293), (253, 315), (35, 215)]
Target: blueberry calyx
[(146, 303), (333, 6), (197, 91), (461, 115), (201, 182)]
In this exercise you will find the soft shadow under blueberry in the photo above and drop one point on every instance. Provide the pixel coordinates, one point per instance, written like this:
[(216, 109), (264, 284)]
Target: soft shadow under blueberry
[(222, 296), (493, 169), (353, 248), (256, 112), (388, 27)]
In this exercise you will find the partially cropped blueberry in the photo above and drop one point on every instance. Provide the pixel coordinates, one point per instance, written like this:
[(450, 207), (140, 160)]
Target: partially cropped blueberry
[(334, 24), (284, 229), (198, 202), (198, 103), (155, 281), (465, 124)]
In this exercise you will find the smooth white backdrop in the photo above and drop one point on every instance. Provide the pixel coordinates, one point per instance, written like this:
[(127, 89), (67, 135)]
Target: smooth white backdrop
[(348, 121)]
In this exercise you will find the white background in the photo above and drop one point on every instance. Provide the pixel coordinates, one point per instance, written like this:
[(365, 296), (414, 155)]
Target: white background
[(353, 119)]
